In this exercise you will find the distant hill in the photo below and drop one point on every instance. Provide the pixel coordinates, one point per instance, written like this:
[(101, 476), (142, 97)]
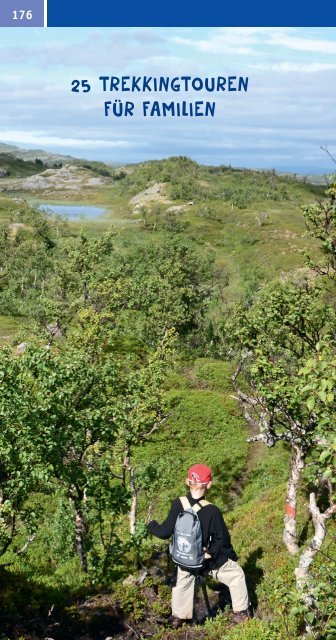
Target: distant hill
[(47, 157), (13, 167), (318, 179)]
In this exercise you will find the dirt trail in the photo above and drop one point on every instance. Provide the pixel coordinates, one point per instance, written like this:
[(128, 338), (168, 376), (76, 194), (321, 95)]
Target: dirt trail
[(255, 454)]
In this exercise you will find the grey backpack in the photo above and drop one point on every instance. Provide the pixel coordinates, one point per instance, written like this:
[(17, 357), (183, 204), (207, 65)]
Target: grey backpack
[(186, 548)]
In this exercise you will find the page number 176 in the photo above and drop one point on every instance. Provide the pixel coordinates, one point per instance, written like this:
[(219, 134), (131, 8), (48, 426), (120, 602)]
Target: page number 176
[(22, 14)]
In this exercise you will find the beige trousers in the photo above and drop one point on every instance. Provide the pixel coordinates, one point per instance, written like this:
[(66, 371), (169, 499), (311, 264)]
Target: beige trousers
[(231, 574)]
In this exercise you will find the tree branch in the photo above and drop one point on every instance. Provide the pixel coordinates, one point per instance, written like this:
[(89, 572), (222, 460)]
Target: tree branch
[(20, 551)]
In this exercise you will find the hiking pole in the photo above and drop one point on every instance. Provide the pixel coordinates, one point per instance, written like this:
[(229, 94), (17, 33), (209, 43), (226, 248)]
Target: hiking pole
[(205, 593)]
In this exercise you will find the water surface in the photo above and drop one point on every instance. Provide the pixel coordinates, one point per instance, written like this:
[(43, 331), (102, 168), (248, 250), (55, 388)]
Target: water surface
[(73, 212)]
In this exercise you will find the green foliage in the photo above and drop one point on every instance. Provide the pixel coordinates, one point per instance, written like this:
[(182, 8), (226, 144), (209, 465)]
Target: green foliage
[(131, 601), (320, 221), (17, 168), (158, 171), (163, 287), (280, 333), (286, 347), (8, 327), (70, 290), (21, 468), (69, 421), (199, 418), (215, 375), (58, 531), (319, 376), (269, 468), (253, 630), (79, 417), (100, 168), (184, 189), (27, 258), (189, 181), (321, 617)]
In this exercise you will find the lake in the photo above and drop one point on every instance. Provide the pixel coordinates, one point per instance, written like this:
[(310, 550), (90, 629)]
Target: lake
[(73, 212)]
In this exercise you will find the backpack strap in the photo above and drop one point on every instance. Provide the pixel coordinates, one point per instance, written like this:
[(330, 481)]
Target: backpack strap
[(196, 507), (185, 503)]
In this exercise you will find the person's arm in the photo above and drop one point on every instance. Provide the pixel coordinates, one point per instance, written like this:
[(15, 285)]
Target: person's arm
[(166, 529), (220, 538)]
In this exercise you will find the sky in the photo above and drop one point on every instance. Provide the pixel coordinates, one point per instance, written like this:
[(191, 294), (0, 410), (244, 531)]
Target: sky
[(281, 122)]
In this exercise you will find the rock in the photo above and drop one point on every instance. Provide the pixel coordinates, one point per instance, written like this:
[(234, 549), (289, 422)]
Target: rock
[(177, 208), (141, 577), (155, 571), (19, 201), (21, 348), (68, 177), (54, 330), (153, 194), (129, 580), (14, 227)]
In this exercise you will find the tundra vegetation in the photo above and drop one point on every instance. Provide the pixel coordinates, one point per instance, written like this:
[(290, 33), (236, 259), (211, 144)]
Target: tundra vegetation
[(195, 320)]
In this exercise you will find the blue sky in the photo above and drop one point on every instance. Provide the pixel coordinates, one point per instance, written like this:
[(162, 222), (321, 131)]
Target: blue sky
[(281, 122)]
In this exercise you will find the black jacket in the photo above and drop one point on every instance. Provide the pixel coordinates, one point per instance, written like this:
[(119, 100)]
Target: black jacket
[(216, 538)]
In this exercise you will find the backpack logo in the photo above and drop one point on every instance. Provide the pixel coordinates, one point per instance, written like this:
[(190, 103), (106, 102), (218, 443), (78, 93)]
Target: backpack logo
[(183, 544)]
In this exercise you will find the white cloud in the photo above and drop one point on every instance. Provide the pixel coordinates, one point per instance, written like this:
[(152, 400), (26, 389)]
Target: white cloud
[(313, 45), (98, 50), (294, 67), (236, 40), (42, 138), (253, 40), (215, 45)]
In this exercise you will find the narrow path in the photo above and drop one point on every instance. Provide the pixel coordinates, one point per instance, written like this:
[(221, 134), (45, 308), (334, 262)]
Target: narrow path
[(256, 450)]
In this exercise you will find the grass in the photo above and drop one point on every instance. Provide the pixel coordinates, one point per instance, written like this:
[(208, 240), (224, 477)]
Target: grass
[(17, 168), (8, 327), (204, 425)]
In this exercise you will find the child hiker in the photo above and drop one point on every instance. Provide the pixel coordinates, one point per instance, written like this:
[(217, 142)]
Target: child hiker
[(205, 521)]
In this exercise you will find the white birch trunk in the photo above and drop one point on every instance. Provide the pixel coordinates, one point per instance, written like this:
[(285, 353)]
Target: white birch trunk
[(290, 532), (133, 510), (79, 536), (308, 555)]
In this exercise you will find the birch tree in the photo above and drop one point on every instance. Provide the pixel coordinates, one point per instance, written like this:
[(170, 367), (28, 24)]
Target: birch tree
[(21, 468), (319, 374), (320, 219), (68, 418), (274, 339)]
